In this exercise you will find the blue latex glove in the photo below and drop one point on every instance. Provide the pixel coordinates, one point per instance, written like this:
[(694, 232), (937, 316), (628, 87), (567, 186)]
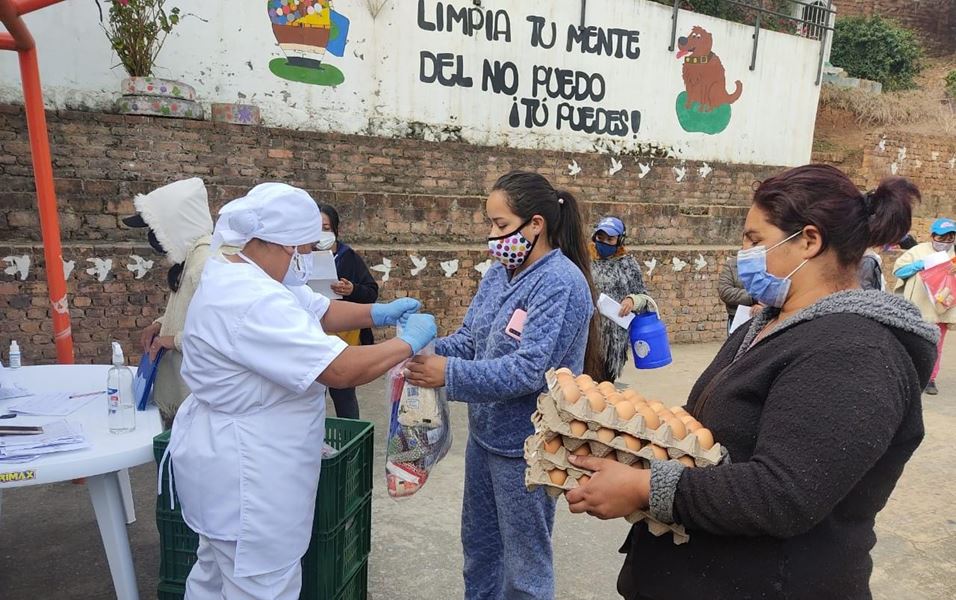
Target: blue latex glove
[(910, 270), (394, 312), (418, 331)]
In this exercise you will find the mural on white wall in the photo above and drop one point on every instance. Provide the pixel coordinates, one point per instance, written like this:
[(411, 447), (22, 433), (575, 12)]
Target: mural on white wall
[(306, 31), (18, 266), (101, 268), (521, 73), (140, 266)]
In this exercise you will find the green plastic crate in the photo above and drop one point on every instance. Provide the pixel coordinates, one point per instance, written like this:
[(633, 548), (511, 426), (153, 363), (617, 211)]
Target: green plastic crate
[(170, 591), (334, 558), (344, 498)]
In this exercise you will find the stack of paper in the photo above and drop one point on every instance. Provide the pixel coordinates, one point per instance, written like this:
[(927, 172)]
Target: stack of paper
[(57, 436), (53, 404), (9, 389)]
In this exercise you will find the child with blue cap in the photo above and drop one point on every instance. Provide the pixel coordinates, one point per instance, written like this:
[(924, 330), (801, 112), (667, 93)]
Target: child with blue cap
[(618, 275), (908, 285)]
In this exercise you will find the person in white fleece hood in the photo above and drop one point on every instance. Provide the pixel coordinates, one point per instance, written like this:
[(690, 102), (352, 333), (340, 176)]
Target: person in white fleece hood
[(180, 228)]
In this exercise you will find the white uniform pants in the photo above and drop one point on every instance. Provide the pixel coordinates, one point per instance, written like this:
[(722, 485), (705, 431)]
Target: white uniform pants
[(212, 577)]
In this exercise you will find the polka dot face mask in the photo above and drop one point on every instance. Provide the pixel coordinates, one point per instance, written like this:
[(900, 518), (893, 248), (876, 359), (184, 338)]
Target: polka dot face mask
[(513, 249)]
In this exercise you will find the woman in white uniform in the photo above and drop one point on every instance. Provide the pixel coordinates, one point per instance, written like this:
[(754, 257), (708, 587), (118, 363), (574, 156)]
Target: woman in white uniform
[(246, 445)]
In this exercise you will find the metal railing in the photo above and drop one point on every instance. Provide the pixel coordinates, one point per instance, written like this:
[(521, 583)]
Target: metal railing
[(814, 19)]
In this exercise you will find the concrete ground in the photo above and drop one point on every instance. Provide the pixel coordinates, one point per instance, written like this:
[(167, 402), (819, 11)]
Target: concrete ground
[(50, 547)]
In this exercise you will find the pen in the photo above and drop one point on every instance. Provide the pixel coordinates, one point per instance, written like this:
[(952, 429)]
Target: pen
[(72, 396)]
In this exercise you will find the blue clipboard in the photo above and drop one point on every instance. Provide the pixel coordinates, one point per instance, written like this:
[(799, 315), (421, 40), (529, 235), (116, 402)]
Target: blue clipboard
[(145, 377)]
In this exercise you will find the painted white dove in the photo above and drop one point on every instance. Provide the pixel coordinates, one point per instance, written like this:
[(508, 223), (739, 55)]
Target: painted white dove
[(935, 155), (952, 162), (651, 265), (385, 268), (681, 172), (68, 266), (678, 265), (101, 268), (140, 266), (450, 267), (901, 154), (700, 262), (882, 145), (483, 267), (574, 168), (704, 171), (917, 164), (894, 168), (420, 264), (19, 265), (615, 167), (645, 169)]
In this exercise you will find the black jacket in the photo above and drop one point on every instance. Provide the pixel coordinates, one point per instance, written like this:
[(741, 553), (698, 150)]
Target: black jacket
[(349, 265), (819, 419), (731, 289)]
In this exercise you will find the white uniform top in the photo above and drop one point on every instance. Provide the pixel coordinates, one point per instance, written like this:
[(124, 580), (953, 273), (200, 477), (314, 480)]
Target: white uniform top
[(246, 445)]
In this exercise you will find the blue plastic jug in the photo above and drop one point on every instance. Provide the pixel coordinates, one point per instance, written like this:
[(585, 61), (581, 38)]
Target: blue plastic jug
[(649, 340)]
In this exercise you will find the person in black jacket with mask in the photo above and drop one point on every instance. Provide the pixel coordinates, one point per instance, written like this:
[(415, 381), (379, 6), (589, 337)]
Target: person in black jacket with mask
[(357, 285), (817, 402)]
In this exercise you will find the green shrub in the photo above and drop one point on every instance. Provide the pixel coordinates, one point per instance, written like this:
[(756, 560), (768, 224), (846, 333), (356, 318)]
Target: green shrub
[(876, 49), (951, 84)]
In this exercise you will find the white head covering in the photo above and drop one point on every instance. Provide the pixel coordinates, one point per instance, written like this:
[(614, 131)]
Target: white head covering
[(272, 212), (178, 214)]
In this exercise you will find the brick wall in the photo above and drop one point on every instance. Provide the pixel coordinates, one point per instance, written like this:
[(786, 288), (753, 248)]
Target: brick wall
[(936, 19), (396, 197)]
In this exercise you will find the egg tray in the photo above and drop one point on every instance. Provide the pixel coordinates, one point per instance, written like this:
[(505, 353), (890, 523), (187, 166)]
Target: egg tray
[(608, 418), (551, 427), (540, 461)]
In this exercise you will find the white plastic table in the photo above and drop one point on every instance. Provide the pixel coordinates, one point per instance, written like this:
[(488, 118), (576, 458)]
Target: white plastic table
[(104, 464)]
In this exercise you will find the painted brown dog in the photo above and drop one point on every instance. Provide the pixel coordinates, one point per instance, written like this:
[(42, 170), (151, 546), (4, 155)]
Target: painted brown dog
[(704, 77)]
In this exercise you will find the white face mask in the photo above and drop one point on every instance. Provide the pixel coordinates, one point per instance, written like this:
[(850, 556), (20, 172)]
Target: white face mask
[(300, 269), (326, 241), (942, 246)]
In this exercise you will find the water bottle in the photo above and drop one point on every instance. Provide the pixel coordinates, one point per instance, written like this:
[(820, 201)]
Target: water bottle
[(121, 410), (14, 355)]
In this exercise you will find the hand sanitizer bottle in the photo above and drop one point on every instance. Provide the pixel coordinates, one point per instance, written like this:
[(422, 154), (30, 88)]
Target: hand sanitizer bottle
[(121, 414), (14, 355)]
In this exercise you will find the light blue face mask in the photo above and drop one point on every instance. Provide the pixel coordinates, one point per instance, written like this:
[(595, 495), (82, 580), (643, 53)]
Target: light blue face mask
[(764, 287)]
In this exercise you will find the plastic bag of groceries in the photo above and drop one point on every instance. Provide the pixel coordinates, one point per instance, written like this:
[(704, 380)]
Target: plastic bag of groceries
[(939, 281), (419, 432)]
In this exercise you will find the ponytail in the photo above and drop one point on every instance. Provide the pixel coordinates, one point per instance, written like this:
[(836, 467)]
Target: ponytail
[(530, 194), (890, 209), (570, 237)]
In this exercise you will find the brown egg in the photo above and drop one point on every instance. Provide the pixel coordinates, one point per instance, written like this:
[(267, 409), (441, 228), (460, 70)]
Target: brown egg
[(614, 399), (686, 418), (677, 428), (656, 405), (596, 400), (630, 395), (705, 438), (632, 442), (558, 476), (624, 409), (583, 479), (687, 461), (582, 451), (605, 435), (693, 426), (553, 445), (585, 383), (679, 411), (607, 388), (564, 371), (651, 420), (578, 428), (570, 391), (659, 453)]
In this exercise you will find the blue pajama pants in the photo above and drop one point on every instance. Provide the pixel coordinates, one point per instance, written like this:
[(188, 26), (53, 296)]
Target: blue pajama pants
[(505, 530)]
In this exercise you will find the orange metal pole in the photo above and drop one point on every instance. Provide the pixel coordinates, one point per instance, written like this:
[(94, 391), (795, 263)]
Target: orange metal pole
[(18, 36)]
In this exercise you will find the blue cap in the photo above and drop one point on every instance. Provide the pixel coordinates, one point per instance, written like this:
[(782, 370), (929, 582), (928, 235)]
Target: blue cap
[(614, 226), (943, 226)]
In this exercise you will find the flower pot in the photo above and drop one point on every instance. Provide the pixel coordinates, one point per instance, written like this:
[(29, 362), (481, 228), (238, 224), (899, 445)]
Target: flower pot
[(237, 114), (157, 97)]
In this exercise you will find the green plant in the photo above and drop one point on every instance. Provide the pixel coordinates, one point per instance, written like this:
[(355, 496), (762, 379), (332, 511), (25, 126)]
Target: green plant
[(877, 49), (951, 84), (137, 30), (722, 9)]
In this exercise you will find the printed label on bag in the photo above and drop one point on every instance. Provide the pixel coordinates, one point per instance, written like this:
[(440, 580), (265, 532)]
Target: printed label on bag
[(18, 476)]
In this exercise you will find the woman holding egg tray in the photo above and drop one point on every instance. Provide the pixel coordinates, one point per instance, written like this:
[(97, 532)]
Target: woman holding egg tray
[(533, 312), (817, 402)]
